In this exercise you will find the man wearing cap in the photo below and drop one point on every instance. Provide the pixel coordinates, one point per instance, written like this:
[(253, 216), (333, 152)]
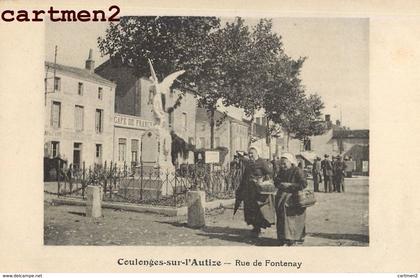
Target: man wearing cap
[(339, 172), (290, 222), (326, 167), (333, 177), (316, 173)]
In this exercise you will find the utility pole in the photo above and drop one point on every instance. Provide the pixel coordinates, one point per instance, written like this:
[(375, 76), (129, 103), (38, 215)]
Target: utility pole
[(55, 64), (341, 112), (46, 77)]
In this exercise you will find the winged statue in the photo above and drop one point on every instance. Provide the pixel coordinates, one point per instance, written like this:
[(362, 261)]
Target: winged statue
[(162, 88)]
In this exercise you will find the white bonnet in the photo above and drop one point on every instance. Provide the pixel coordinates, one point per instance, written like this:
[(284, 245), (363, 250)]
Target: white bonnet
[(291, 157)]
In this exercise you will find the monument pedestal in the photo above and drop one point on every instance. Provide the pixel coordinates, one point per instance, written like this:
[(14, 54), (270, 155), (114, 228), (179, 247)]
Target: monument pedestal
[(93, 202), (150, 180)]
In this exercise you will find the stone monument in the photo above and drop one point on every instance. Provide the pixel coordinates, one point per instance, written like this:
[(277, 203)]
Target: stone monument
[(150, 179)]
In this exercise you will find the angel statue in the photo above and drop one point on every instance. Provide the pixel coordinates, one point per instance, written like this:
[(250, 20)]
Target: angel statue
[(161, 88)]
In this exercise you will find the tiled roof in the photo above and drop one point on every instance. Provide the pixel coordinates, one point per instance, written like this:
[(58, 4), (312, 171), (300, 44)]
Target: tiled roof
[(356, 133), (79, 72)]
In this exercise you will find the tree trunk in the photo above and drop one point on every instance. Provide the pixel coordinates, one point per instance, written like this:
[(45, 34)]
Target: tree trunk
[(268, 139), (287, 142), (251, 129), (211, 128)]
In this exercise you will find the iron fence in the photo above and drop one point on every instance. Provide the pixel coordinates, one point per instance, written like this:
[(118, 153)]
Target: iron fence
[(146, 185)]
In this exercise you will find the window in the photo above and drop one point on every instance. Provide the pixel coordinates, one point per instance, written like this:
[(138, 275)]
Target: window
[(239, 143), (57, 83), (202, 142), (184, 121), (122, 146), (134, 150), (203, 126), (78, 117), (77, 155), (56, 114), (100, 93), (171, 119), (98, 153), (217, 142), (99, 121), (80, 89), (55, 145)]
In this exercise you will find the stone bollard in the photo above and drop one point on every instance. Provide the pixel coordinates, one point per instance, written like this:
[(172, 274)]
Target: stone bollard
[(94, 200), (195, 202)]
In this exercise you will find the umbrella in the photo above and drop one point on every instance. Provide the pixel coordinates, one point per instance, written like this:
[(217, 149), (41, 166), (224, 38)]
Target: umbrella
[(238, 202), (239, 198)]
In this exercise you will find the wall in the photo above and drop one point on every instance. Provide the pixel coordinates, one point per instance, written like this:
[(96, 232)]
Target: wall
[(66, 134), (187, 107), (348, 143), (127, 93), (128, 127), (239, 138)]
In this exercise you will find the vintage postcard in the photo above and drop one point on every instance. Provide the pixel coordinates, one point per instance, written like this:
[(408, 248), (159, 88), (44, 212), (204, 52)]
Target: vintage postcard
[(250, 137)]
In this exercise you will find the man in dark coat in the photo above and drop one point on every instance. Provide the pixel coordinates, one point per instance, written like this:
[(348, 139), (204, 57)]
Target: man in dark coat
[(339, 172), (256, 170), (316, 173), (326, 167)]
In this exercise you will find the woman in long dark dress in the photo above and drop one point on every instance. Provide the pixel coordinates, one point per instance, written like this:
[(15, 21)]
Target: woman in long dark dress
[(290, 217), (256, 170)]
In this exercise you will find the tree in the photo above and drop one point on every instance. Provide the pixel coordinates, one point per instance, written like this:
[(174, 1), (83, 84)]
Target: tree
[(244, 66), (171, 43), (252, 54)]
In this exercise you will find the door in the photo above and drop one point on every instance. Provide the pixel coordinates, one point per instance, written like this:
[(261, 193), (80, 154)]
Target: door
[(77, 155)]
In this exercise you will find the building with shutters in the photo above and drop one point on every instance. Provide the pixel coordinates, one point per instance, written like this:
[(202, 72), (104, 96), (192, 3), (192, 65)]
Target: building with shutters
[(79, 114)]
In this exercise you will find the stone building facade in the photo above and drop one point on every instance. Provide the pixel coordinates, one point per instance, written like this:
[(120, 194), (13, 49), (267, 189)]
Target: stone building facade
[(79, 112)]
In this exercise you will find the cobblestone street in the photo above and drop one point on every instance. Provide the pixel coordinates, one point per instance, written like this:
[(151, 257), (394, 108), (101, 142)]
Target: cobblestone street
[(337, 219)]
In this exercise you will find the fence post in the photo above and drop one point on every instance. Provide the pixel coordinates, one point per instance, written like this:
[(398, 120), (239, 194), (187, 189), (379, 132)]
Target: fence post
[(141, 181), (125, 169), (167, 181), (70, 176), (108, 176), (149, 181), (114, 175), (157, 191), (83, 180), (105, 180), (65, 180), (194, 187), (174, 191), (58, 178), (91, 177)]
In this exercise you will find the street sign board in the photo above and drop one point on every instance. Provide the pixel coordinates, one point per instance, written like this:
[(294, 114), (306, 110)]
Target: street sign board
[(212, 157)]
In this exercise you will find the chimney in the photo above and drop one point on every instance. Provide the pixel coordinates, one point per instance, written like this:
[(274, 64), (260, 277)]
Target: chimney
[(90, 63), (327, 117)]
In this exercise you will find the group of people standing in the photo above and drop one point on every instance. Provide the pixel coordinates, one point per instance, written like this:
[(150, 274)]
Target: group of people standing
[(288, 179), (332, 171)]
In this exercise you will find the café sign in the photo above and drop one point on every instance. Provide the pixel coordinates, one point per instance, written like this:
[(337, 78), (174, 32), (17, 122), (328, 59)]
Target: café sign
[(131, 122)]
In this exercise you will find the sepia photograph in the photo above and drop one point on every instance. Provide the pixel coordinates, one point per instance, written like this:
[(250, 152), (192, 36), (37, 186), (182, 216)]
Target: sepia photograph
[(207, 131)]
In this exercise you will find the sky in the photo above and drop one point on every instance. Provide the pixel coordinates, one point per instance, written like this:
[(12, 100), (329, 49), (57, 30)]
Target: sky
[(337, 51)]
